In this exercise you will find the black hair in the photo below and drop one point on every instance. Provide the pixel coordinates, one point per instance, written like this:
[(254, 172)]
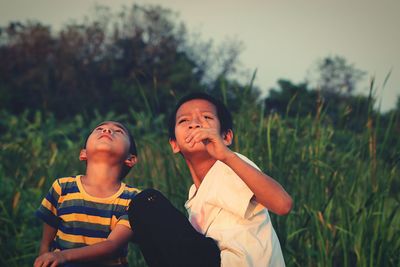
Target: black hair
[(132, 146), (223, 114)]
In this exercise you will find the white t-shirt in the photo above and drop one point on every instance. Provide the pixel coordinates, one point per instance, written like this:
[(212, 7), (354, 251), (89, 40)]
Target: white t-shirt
[(222, 208)]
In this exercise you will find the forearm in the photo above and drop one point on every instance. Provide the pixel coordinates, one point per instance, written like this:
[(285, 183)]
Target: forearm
[(267, 191), (118, 237), (44, 248), (47, 237), (102, 250)]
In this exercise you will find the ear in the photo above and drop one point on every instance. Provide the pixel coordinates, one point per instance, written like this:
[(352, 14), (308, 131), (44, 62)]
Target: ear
[(174, 146), (131, 161), (83, 155), (228, 137)]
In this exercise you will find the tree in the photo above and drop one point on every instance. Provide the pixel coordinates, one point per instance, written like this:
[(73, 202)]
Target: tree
[(291, 99), (139, 59), (25, 72), (334, 75), (343, 111)]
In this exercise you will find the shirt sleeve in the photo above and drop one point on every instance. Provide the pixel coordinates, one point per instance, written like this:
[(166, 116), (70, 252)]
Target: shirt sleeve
[(123, 220), (234, 196), (47, 210), (231, 193)]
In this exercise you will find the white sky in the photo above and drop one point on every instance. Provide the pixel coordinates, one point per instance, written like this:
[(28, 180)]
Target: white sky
[(282, 39)]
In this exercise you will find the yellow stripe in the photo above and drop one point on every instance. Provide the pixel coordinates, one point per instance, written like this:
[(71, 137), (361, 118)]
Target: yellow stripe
[(122, 202), (79, 238), (66, 180), (49, 206), (57, 188), (124, 222), (78, 195), (72, 196), (132, 189), (85, 218)]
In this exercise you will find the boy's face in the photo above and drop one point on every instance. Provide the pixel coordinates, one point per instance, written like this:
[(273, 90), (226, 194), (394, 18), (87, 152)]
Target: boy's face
[(187, 119), (109, 139)]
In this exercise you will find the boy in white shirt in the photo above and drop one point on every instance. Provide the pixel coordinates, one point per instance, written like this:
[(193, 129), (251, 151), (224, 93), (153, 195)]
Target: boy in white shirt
[(228, 200)]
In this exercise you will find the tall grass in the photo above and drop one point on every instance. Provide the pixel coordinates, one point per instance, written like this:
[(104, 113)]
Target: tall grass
[(346, 207)]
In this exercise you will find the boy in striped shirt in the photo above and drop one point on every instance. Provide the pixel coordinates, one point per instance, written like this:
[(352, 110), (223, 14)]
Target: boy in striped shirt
[(85, 217)]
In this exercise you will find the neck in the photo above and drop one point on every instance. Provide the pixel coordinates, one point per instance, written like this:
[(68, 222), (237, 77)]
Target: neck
[(199, 167), (102, 174)]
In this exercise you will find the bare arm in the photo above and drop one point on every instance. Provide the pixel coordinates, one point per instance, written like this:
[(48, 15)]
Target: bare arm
[(117, 238), (48, 235), (266, 190)]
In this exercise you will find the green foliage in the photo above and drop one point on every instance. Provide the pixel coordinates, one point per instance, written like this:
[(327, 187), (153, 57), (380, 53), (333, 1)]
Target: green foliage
[(336, 156), (343, 111), (336, 76), (141, 57), (345, 190)]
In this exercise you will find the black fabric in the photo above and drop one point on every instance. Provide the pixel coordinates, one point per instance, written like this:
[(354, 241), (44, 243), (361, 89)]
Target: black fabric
[(166, 237)]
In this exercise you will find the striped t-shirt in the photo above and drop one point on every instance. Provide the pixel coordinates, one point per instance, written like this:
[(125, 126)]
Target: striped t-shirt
[(81, 219)]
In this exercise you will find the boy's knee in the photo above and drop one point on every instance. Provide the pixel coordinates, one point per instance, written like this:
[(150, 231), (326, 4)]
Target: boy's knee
[(147, 196), (145, 202), (146, 209)]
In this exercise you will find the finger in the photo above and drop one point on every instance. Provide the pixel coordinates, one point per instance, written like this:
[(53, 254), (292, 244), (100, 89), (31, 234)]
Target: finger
[(194, 138), (55, 263), (192, 133), (204, 123), (191, 141), (195, 134), (189, 137), (200, 136), (211, 135), (38, 262)]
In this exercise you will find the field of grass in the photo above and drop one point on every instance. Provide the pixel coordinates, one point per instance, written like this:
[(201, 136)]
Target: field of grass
[(346, 189)]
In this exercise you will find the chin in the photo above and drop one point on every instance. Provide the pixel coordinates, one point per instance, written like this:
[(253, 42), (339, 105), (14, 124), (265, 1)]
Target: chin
[(198, 148)]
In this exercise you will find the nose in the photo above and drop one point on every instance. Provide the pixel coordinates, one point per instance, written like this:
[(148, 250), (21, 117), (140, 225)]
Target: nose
[(194, 123), (107, 130)]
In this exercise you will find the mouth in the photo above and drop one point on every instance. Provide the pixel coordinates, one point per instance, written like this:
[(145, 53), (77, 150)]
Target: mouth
[(105, 136)]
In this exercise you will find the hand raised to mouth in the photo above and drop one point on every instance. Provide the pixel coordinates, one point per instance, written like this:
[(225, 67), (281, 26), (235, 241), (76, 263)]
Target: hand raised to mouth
[(210, 136)]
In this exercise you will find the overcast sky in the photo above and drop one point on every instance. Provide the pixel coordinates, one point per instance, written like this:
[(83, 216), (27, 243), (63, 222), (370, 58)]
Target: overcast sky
[(282, 39)]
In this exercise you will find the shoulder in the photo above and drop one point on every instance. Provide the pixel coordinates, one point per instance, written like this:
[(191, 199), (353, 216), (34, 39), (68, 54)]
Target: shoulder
[(66, 180), (247, 160), (129, 192), (221, 170), (227, 182), (65, 185)]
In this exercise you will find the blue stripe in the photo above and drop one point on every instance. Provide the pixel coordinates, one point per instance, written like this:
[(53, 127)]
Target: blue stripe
[(51, 198), (70, 189), (50, 220), (55, 245), (127, 195), (83, 232), (89, 211)]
